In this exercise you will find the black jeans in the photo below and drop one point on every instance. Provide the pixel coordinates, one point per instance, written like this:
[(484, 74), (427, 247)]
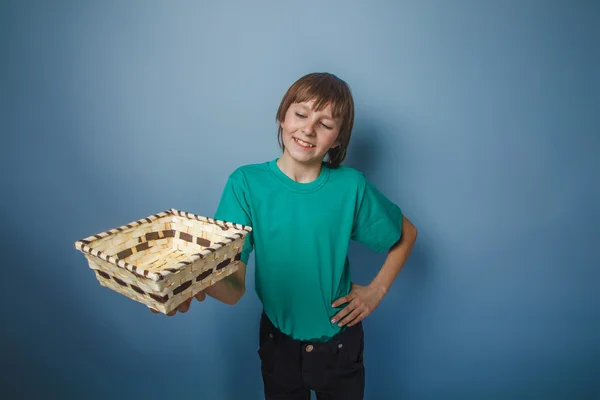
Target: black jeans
[(290, 368)]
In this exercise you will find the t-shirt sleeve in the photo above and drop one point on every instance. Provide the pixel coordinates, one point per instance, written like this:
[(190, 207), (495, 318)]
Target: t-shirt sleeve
[(235, 207), (378, 221)]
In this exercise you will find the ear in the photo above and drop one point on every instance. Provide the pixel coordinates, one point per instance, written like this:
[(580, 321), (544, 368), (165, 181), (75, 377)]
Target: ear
[(336, 143)]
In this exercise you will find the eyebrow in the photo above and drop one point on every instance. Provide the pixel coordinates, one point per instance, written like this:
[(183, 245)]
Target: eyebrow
[(305, 107)]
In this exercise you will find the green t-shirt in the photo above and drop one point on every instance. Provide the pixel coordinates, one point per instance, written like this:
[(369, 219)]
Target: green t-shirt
[(300, 237)]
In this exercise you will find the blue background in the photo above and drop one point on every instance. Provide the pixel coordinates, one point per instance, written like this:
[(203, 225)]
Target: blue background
[(479, 118)]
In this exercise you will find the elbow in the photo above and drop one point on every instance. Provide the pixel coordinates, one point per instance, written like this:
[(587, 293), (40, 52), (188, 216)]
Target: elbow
[(409, 231), (413, 236), (408, 237)]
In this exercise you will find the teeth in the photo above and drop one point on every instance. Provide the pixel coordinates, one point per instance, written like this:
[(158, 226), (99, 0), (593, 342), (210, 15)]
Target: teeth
[(303, 143)]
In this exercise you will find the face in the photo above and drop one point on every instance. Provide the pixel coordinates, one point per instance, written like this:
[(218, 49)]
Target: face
[(308, 134)]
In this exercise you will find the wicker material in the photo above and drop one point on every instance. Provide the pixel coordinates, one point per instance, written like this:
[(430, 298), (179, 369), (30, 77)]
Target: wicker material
[(166, 258)]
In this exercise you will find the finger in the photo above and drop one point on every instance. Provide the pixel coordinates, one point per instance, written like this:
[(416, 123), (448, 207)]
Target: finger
[(350, 317), (342, 300), (200, 296), (185, 306), (358, 319), (172, 313), (154, 311), (345, 311)]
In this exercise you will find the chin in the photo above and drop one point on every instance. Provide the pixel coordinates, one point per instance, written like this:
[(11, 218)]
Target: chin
[(305, 158), (299, 155)]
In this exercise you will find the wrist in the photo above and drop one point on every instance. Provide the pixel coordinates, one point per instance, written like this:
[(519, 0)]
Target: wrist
[(380, 288)]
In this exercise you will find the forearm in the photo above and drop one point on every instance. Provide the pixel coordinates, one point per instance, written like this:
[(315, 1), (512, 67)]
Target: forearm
[(231, 289), (396, 258)]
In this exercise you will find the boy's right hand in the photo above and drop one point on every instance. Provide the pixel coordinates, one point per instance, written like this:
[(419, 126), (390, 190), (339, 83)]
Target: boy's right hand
[(185, 306)]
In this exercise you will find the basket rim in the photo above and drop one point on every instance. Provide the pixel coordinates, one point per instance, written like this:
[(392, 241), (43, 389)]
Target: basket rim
[(86, 245)]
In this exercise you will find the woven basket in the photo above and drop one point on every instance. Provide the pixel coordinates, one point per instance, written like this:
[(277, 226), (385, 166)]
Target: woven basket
[(166, 258)]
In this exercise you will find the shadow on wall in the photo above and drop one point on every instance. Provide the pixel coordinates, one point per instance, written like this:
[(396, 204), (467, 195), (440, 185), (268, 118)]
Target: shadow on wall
[(364, 147), (388, 331), (389, 338)]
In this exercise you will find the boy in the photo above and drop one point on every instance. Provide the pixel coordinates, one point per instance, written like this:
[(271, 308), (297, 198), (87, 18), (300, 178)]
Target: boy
[(304, 211)]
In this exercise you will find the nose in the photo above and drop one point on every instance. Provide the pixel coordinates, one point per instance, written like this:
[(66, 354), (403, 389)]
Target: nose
[(309, 128)]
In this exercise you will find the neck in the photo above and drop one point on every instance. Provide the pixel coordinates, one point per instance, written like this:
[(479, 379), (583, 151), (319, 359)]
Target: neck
[(299, 172)]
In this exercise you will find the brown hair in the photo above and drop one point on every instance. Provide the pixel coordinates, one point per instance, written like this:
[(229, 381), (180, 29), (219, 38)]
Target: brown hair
[(325, 89)]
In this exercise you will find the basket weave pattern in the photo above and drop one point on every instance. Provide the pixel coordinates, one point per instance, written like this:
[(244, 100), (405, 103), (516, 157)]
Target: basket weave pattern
[(166, 258)]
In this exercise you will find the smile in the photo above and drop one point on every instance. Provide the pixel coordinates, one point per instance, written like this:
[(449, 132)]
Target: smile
[(303, 143)]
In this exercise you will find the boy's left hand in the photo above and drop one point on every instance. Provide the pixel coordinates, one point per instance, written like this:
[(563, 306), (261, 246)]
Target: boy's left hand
[(361, 300)]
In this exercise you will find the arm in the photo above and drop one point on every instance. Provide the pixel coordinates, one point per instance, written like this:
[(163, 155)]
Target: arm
[(234, 207), (396, 258), (229, 290), (362, 300)]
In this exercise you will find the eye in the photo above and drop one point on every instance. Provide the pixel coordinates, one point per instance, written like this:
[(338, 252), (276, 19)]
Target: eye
[(326, 127), (300, 115)]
